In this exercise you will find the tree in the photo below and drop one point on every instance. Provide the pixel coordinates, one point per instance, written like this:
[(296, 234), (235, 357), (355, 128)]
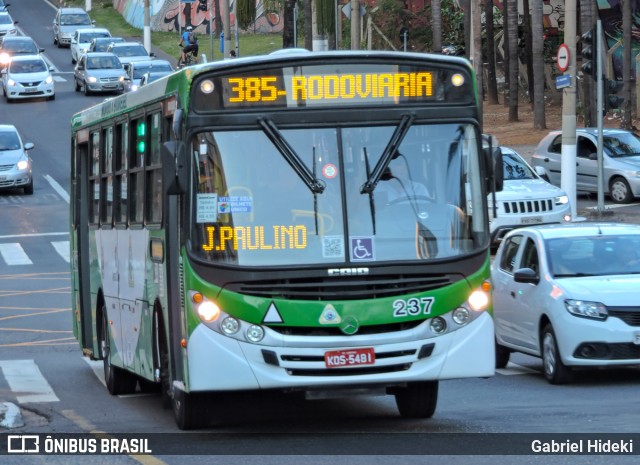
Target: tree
[(505, 51), (512, 6), (625, 123), (466, 6), (436, 24), (477, 46), (537, 52), (308, 27), (528, 49), (492, 84)]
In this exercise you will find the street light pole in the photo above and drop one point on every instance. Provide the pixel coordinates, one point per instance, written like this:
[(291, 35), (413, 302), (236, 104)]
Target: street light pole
[(147, 26)]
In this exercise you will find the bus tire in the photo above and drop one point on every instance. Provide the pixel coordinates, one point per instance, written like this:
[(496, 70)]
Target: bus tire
[(417, 400), (118, 381), (189, 410), (502, 356)]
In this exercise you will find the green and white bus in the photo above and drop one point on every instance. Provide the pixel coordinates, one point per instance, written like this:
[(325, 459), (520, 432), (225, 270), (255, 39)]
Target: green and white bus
[(305, 222)]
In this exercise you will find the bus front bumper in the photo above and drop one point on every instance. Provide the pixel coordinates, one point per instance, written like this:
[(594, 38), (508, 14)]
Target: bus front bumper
[(220, 363)]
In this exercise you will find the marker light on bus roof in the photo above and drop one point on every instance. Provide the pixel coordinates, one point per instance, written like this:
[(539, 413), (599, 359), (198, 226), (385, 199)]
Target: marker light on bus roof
[(457, 80), (206, 86)]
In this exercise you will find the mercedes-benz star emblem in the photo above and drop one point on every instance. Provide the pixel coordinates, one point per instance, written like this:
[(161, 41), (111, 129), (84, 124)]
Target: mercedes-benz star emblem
[(349, 325)]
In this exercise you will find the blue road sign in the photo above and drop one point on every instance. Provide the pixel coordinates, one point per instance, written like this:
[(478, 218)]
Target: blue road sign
[(563, 81)]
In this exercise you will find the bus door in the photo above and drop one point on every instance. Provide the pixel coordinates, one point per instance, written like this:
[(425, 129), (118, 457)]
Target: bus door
[(80, 266)]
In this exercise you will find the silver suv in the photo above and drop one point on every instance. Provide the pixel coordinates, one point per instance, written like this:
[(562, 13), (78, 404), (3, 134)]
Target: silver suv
[(66, 22)]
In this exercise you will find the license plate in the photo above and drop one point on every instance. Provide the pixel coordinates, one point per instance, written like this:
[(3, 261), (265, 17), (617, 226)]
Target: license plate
[(349, 357), (636, 338), (31, 91), (532, 220)]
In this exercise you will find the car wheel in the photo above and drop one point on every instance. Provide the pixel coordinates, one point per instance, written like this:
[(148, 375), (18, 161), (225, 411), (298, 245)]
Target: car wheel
[(73, 60), (77, 86), (502, 356), (555, 371), (28, 189), (86, 89), (619, 190), (51, 97), (417, 400)]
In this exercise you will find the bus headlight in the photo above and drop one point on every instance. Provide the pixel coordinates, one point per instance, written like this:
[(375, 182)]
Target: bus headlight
[(438, 325), (230, 325), (460, 315), (208, 311), (255, 333), (478, 300)]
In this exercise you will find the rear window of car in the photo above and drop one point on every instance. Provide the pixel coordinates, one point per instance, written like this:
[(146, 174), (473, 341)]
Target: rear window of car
[(129, 51), (75, 19), (88, 36)]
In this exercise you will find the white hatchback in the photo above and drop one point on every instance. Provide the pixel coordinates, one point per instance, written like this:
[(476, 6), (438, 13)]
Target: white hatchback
[(568, 294), (81, 41), (26, 77)]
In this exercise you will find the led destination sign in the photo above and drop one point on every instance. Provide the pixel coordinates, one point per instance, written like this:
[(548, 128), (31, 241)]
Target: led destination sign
[(332, 86)]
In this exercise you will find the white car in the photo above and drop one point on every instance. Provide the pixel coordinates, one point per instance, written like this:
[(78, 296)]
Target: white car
[(129, 52), (15, 163), (27, 76), (7, 25), (82, 38), (569, 294), (526, 198)]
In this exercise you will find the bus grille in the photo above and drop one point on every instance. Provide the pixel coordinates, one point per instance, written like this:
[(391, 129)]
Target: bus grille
[(335, 331), (343, 288), (528, 206)]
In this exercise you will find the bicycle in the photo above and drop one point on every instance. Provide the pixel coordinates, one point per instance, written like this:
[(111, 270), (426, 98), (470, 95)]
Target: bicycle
[(190, 59)]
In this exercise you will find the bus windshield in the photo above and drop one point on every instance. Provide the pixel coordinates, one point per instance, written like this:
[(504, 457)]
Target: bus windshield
[(252, 207)]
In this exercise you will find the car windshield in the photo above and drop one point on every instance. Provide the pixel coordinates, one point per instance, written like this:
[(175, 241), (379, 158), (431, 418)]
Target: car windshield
[(594, 256), (515, 167), (103, 63), (75, 20), (252, 208), (139, 71), (17, 47), (9, 141), (5, 19), (130, 51), (625, 144), (28, 66)]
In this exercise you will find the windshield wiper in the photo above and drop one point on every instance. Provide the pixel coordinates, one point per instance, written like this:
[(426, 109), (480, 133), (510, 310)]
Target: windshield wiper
[(390, 151), (277, 139)]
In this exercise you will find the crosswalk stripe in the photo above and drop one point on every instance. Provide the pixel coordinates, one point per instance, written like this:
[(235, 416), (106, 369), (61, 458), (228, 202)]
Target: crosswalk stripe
[(14, 254), (24, 376), (515, 369), (62, 247)]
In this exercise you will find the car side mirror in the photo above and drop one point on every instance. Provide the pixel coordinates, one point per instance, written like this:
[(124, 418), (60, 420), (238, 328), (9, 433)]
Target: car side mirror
[(40, 50), (593, 156), (526, 276), (28, 146), (16, 22), (152, 54)]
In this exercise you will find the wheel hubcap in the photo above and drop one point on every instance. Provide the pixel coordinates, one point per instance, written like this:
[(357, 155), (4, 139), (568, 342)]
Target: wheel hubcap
[(549, 354), (618, 191)]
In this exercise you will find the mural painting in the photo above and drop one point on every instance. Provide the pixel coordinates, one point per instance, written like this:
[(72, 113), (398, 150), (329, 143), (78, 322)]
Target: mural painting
[(172, 15)]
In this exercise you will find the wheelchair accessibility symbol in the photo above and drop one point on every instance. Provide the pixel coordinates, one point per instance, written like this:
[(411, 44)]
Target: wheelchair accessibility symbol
[(362, 249)]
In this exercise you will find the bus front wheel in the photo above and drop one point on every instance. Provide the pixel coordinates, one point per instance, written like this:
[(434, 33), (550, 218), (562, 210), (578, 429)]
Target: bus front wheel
[(118, 381), (190, 410), (417, 400)]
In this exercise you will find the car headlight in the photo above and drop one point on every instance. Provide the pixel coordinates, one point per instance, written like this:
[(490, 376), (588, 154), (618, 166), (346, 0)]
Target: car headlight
[(11, 82), (49, 80), (561, 200), (121, 79), (5, 58), (92, 79), (22, 165), (586, 309)]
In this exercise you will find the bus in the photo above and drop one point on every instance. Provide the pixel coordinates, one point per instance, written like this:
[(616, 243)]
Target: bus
[(307, 223)]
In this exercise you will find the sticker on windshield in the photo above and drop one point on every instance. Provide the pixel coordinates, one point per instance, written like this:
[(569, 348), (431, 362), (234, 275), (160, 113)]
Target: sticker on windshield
[(235, 204), (332, 247), (207, 208), (329, 171), (362, 248)]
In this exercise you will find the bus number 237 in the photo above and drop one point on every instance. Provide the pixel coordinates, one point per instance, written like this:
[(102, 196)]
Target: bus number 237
[(412, 307)]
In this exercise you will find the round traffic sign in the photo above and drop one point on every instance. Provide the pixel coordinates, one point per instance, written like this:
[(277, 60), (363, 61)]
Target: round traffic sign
[(562, 59)]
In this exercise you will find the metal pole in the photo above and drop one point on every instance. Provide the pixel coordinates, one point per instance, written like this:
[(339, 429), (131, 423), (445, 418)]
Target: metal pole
[(235, 28), (227, 28), (355, 24), (600, 110), (147, 26), (211, 26), (568, 164), (295, 25)]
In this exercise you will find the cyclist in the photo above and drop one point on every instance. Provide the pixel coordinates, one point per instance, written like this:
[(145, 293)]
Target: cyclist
[(189, 43)]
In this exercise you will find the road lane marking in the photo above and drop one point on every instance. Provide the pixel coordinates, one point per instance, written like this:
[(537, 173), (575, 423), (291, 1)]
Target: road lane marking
[(14, 254), (24, 376), (62, 247), (57, 187)]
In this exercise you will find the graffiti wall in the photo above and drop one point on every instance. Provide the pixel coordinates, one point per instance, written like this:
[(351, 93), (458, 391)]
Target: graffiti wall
[(611, 16), (171, 15)]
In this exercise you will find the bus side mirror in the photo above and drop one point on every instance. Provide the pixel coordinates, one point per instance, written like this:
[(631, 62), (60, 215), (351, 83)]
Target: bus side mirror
[(174, 170), (495, 170)]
